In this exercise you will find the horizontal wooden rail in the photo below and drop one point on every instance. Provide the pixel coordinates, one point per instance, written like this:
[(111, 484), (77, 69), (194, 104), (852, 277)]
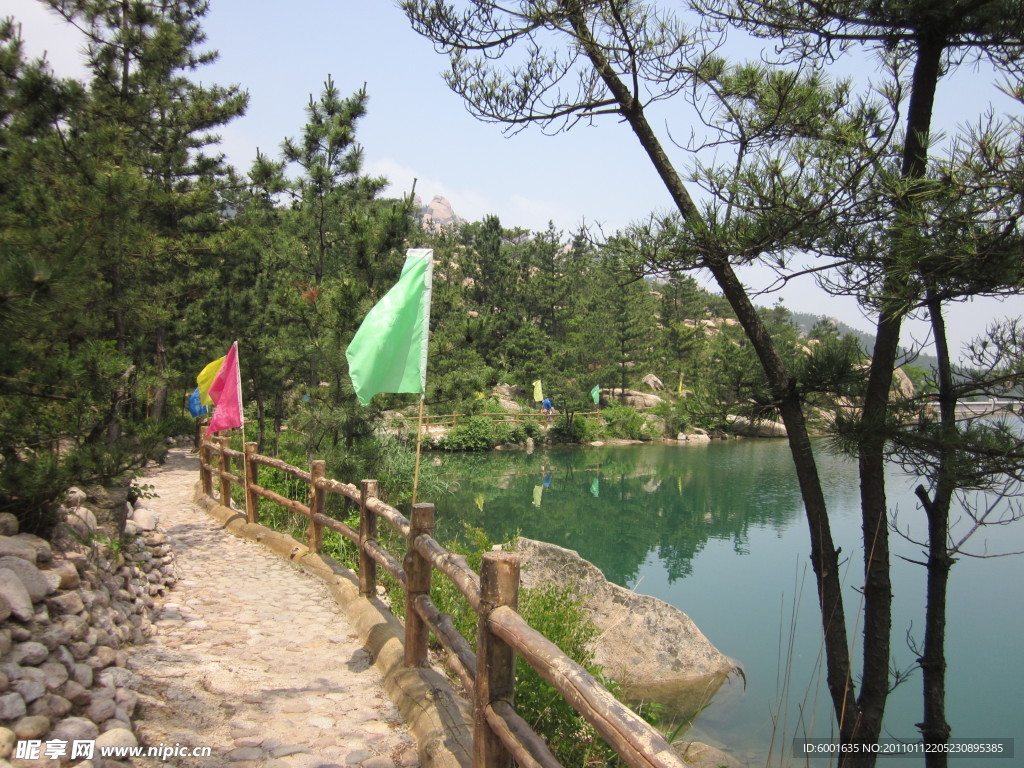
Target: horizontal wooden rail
[(501, 736), (528, 749), (344, 489), (452, 566), (294, 506), (461, 658), (337, 526), (288, 469), (392, 515), (453, 419), (224, 475), (625, 731), (382, 557)]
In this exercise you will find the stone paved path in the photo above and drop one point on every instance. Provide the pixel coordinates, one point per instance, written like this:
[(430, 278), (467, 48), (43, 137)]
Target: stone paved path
[(253, 657)]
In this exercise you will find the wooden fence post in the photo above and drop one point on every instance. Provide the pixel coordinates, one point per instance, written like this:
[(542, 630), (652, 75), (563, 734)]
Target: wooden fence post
[(315, 532), (367, 532), (251, 479), (204, 474), (225, 465), (417, 576), (495, 659)]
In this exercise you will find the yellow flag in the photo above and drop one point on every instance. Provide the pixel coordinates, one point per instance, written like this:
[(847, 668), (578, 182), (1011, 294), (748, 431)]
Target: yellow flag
[(538, 395), (206, 377)]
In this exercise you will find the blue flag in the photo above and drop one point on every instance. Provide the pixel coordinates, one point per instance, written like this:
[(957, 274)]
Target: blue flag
[(195, 407)]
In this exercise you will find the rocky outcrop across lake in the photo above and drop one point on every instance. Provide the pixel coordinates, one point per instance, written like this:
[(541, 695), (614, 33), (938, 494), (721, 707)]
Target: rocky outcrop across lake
[(652, 649), (631, 397)]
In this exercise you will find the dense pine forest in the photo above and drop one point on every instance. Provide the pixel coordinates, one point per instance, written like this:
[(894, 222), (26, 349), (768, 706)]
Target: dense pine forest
[(132, 255)]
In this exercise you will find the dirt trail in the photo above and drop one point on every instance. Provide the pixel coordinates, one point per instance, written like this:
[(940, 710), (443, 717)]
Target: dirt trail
[(253, 658)]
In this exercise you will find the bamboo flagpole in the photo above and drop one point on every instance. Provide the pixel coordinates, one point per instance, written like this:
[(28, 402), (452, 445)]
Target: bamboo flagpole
[(419, 450)]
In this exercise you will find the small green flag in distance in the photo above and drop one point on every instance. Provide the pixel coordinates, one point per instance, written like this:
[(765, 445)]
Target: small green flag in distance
[(389, 351), (538, 395), (596, 394)]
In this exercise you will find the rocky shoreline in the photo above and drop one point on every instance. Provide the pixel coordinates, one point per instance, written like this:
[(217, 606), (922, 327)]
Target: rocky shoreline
[(69, 609)]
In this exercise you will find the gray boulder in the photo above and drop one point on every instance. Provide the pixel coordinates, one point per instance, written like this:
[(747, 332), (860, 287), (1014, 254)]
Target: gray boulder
[(12, 546), (117, 737), (653, 383), (75, 729), (44, 553), (631, 397), (82, 520), (109, 508), (652, 649), (759, 428), (145, 519), (16, 595), (507, 396), (38, 586), (75, 497)]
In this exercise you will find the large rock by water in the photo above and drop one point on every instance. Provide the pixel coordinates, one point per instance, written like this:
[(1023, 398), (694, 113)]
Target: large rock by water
[(741, 425), (652, 649), (631, 397)]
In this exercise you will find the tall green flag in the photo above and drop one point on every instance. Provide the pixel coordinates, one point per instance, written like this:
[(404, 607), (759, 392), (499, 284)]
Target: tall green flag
[(389, 351), (595, 393)]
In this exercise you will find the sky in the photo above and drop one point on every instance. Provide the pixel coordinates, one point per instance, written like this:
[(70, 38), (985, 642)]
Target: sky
[(417, 129)]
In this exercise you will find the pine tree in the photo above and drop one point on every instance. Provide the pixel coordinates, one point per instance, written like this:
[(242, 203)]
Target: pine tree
[(351, 252), (625, 312), (60, 378), (148, 186)]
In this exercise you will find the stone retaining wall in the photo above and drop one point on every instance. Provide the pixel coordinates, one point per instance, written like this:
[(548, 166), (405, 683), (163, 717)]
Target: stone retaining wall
[(68, 611)]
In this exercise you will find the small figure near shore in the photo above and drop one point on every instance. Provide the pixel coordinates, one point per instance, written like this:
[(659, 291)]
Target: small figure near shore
[(547, 409)]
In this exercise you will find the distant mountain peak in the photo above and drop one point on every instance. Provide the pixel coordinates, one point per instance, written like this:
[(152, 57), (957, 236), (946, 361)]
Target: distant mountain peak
[(437, 213)]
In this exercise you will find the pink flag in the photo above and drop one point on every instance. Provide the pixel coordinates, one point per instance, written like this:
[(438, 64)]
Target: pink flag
[(226, 393)]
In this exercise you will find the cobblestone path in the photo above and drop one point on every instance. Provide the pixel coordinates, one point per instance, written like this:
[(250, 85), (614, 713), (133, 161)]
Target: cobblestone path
[(253, 658)]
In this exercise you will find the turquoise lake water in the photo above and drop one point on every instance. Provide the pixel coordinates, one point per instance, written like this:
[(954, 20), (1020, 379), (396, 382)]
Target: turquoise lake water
[(718, 531)]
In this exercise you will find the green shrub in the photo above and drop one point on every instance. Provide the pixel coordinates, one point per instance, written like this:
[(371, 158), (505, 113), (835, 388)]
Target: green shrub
[(474, 434), (506, 432), (533, 429), (572, 429), (625, 423), (676, 416), (558, 613)]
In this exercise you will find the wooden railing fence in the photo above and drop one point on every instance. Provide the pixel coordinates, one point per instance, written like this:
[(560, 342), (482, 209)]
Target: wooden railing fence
[(500, 735)]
